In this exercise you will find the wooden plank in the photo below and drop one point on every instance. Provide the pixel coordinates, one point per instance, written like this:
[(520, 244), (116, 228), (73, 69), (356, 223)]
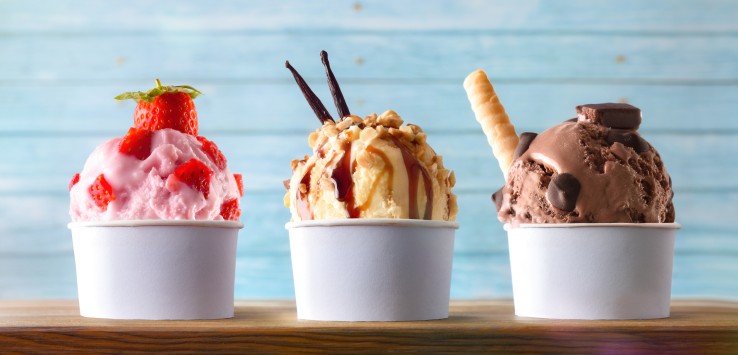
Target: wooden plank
[(271, 326), (371, 57), (264, 160), (369, 15), (279, 107)]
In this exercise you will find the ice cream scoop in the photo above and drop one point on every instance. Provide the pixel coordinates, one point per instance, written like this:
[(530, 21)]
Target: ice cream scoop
[(372, 167), (161, 169), (594, 168)]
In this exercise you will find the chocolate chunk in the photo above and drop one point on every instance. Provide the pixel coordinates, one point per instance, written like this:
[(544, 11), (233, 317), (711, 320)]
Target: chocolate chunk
[(611, 115), (563, 192), (497, 199), (627, 138), (526, 138), (286, 184)]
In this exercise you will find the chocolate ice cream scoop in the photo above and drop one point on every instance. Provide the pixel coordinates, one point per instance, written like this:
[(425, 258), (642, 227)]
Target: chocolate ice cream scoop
[(596, 169)]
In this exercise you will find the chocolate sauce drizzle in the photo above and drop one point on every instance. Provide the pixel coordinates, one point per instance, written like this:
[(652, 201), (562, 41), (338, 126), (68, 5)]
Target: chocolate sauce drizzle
[(312, 99), (342, 173), (303, 204), (338, 98)]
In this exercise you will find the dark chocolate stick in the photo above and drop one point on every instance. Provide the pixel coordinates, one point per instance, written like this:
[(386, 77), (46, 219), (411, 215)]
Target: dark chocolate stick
[(312, 99), (338, 99)]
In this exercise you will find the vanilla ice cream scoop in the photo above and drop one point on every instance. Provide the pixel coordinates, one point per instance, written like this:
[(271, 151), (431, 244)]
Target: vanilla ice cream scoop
[(371, 168), (374, 167)]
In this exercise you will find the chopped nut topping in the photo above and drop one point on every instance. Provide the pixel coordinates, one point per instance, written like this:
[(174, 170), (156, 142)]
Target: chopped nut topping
[(330, 130), (312, 138), (389, 119), (344, 124), (368, 134)]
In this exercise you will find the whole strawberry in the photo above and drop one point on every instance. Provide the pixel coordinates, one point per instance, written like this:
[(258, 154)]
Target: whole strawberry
[(165, 107)]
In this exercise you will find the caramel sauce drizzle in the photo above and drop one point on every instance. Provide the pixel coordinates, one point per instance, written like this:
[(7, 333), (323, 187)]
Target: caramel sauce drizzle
[(343, 181), (388, 170), (414, 170)]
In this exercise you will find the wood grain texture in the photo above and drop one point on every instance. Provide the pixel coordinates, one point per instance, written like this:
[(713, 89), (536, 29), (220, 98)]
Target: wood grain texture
[(371, 57), (440, 108), (269, 326), (680, 16), (61, 63)]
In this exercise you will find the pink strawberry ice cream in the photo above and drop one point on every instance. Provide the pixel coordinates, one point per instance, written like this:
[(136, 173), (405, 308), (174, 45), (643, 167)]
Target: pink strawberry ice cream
[(150, 188)]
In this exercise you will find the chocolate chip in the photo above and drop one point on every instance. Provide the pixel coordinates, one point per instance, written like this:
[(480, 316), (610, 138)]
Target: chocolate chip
[(627, 138), (526, 138), (611, 115), (563, 192), (497, 199)]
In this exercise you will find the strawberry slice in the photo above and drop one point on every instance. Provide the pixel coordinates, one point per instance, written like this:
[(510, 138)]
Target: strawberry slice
[(213, 152), (195, 174), (229, 210), (165, 107), (101, 192), (137, 142), (239, 182), (75, 180)]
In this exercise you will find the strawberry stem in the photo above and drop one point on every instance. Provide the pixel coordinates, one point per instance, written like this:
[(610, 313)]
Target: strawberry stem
[(149, 96)]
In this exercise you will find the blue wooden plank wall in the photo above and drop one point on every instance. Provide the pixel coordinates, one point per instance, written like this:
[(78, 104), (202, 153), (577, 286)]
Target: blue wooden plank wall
[(61, 62)]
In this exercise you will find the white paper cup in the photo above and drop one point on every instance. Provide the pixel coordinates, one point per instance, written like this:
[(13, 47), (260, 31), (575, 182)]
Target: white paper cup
[(592, 270), (155, 269), (372, 269)]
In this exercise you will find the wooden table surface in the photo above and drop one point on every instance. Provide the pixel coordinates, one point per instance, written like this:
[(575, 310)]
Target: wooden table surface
[(695, 326)]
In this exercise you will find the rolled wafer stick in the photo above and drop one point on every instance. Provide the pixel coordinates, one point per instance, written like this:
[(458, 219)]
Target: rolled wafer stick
[(492, 117)]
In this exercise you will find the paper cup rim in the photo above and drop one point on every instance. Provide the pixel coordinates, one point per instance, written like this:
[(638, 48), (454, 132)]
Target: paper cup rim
[(157, 223), (508, 226), (373, 222)]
